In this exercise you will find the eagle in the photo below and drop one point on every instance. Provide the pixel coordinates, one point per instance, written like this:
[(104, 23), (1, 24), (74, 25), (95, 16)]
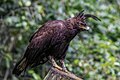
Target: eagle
[(51, 41)]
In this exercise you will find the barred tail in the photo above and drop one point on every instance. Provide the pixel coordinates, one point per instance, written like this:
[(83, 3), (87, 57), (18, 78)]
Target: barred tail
[(20, 66)]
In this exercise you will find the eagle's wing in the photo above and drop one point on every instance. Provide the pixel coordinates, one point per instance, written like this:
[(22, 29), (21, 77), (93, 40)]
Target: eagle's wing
[(40, 42), (35, 52), (36, 33)]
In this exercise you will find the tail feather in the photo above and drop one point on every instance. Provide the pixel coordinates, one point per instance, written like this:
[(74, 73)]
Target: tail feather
[(20, 66)]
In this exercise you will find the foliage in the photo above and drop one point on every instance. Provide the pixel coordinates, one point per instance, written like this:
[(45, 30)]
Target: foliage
[(92, 55)]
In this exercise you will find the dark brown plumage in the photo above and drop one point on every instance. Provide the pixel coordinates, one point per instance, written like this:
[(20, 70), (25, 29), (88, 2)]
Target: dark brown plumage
[(51, 41)]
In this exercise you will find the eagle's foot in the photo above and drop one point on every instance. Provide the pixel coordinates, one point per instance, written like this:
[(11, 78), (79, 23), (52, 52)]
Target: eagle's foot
[(63, 66), (61, 69), (58, 67), (65, 70), (54, 64)]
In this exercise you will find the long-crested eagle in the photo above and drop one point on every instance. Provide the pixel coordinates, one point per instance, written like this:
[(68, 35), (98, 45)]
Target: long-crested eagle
[(50, 42)]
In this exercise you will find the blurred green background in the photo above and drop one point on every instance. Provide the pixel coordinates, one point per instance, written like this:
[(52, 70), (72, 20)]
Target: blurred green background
[(92, 55)]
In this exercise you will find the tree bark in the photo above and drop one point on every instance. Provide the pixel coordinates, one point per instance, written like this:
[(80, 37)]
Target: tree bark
[(55, 74)]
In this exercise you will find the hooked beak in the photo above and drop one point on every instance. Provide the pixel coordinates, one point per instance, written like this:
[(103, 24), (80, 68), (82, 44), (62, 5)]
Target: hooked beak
[(85, 28)]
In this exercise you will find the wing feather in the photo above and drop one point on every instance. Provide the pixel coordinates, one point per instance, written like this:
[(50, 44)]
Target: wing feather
[(39, 43)]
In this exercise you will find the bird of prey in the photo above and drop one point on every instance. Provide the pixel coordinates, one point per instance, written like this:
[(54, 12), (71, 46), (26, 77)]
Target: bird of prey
[(51, 41)]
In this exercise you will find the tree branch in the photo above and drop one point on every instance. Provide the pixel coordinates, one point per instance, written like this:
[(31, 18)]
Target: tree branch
[(55, 74)]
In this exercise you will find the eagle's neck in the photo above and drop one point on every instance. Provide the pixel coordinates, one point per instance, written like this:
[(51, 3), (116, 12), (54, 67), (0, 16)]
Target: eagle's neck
[(72, 29), (72, 23)]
